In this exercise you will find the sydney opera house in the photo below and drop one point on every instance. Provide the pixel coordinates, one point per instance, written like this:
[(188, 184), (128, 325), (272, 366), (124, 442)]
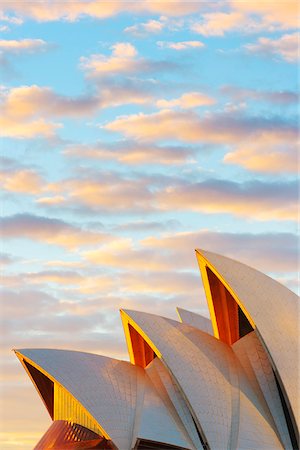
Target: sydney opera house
[(221, 384)]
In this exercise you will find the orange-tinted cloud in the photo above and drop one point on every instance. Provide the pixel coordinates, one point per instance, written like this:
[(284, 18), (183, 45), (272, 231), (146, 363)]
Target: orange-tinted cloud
[(217, 23), (264, 201), (278, 15), (286, 47), (26, 111), (124, 60), (103, 192), (225, 128), (133, 153), (171, 252), (248, 17), (113, 193), (44, 11), (23, 110), (266, 156), (122, 253), (24, 181), (64, 277), (186, 101), (269, 252), (162, 282), (22, 45)]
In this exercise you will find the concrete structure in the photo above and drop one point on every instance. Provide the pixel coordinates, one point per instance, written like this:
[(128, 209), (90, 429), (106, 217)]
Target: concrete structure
[(229, 383)]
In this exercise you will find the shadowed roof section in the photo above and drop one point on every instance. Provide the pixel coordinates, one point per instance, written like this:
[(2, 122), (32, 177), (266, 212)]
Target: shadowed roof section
[(119, 396), (206, 371), (269, 307), (66, 435), (195, 320)]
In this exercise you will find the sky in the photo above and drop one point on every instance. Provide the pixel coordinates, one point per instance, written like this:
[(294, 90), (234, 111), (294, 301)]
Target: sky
[(131, 134)]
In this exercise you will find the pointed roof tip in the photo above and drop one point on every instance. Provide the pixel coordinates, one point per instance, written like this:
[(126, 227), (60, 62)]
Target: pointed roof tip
[(178, 313)]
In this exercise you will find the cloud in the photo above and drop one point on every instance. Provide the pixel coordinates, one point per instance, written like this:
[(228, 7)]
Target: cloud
[(44, 11), (183, 45), (26, 303), (170, 253), (218, 128), (10, 19), (26, 111), (187, 100), (248, 17), (286, 47), (262, 200), (268, 252), (149, 27), (122, 254), (275, 97), (234, 129), (133, 153), (124, 60), (265, 157), (161, 282), (21, 109), (6, 259), (109, 192), (22, 45), (48, 231), (23, 181), (64, 277), (217, 23), (64, 264), (273, 16)]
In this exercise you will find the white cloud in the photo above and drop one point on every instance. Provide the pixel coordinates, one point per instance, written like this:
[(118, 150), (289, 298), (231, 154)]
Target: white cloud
[(181, 45)]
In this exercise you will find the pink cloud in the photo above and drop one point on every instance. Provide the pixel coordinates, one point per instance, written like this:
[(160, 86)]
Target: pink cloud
[(275, 97), (144, 28), (181, 45), (133, 153), (264, 201), (49, 231), (286, 47), (172, 252)]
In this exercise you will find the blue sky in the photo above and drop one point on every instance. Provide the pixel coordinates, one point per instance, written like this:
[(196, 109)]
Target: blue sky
[(132, 133)]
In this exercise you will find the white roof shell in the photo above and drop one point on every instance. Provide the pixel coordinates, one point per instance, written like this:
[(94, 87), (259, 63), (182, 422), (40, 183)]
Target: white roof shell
[(195, 320), (119, 395), (274, 310), (210, 379)]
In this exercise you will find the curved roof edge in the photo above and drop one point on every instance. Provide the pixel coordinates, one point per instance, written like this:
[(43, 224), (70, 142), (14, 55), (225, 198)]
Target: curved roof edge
[(21, 355), (271, 309), (195, 320)]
